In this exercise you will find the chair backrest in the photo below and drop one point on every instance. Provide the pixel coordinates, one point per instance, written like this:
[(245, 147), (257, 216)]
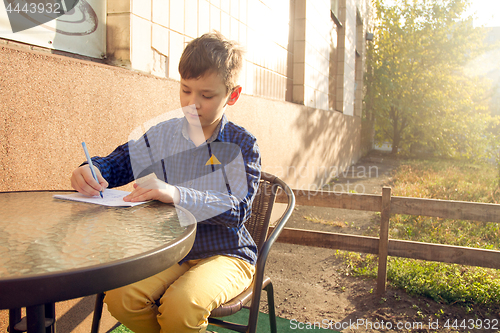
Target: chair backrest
[(258, 223)]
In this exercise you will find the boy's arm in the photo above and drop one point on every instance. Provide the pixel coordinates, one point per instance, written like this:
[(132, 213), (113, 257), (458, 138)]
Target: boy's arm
[(229, 204), (115, 168)]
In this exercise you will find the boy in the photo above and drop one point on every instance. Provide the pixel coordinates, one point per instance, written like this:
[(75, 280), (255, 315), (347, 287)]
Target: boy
[(206, 164)]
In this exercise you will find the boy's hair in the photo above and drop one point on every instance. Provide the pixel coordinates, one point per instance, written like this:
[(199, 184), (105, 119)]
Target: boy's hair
[(209, 53)]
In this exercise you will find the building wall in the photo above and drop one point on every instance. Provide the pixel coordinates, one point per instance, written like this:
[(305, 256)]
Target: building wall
[(289, 43), (150, 35), (312, 28), (51, 103)]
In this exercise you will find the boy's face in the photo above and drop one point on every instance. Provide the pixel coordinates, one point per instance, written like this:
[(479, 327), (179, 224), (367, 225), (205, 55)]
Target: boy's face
[(207, 97)]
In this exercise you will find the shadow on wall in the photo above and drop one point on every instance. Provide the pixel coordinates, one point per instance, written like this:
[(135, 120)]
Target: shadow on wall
[(330, 141), (329, 138)]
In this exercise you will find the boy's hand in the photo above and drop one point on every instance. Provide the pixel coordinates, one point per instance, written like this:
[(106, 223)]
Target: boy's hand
[(154, 189), (83, 182)]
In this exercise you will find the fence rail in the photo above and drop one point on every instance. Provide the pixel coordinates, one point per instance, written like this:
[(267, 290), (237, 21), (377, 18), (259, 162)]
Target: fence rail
[(388, 205)]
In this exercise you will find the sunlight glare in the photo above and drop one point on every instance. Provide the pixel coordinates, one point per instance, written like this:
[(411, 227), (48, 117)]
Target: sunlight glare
[(485, 12)]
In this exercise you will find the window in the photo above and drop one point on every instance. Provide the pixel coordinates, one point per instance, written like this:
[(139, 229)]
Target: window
[(334, 7)]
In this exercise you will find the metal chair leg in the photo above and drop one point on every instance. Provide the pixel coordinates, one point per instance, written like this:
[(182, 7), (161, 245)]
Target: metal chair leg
[(270, 303), (96, 320)]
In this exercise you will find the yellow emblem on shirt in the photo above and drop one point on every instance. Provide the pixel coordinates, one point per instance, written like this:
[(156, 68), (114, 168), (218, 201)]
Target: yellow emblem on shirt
[(213, 160)]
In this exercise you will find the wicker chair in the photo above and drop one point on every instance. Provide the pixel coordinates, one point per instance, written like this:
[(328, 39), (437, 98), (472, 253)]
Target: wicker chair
[(257, 225)]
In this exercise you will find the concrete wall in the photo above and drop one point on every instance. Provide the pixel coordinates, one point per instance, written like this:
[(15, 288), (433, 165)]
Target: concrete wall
[(49, 104), (150, 35)]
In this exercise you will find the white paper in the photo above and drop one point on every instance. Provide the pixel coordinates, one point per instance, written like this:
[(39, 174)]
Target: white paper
[(112, 198)]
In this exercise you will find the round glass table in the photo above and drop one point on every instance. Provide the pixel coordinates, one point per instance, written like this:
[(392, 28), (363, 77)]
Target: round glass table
[(53, 250)]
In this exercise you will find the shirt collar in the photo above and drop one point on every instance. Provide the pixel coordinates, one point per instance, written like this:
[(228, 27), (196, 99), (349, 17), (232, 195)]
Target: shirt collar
[(215, 135)]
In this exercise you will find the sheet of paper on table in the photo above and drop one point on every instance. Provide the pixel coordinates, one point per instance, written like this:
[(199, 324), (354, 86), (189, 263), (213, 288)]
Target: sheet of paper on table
[(112, 198)]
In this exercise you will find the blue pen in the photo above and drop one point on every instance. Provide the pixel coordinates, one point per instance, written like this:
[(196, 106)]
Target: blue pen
[(91, 165)]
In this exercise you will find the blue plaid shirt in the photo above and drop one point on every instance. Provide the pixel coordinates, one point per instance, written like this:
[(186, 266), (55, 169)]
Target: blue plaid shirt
[(217, 180)]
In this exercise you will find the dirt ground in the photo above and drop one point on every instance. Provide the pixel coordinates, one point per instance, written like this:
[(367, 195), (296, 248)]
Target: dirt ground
[(313, 287)]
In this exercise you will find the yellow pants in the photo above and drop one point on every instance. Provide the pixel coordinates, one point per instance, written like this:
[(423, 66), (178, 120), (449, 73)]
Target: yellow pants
[(187, 294)]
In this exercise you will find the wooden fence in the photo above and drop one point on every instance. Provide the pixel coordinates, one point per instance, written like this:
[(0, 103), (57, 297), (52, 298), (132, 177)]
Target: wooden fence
[(383, 246)]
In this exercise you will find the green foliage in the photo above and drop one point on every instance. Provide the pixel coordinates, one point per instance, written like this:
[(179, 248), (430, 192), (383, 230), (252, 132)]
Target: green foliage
[(415, 85), (357, 264), (446, 179), (449, 283), (446, 283), (449, 180), (498, 168), (121, 329)]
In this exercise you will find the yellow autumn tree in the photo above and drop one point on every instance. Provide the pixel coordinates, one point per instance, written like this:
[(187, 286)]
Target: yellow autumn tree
[(416, 87)]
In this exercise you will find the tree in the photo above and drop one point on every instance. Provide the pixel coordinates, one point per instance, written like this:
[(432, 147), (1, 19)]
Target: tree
[(415, 84)]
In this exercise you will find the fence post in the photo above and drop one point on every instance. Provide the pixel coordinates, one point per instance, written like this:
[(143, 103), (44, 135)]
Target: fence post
[(383, 242)]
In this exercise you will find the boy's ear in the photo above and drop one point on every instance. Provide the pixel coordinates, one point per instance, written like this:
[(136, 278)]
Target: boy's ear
[(235, 94)]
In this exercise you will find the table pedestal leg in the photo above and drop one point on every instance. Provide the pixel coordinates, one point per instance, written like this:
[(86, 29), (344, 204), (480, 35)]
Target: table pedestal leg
[(14, 318), (36, 318), (40, 318)]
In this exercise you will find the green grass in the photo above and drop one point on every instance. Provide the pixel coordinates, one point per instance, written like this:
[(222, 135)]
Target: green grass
[(447, 180), (121, 329), (447, 283)]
